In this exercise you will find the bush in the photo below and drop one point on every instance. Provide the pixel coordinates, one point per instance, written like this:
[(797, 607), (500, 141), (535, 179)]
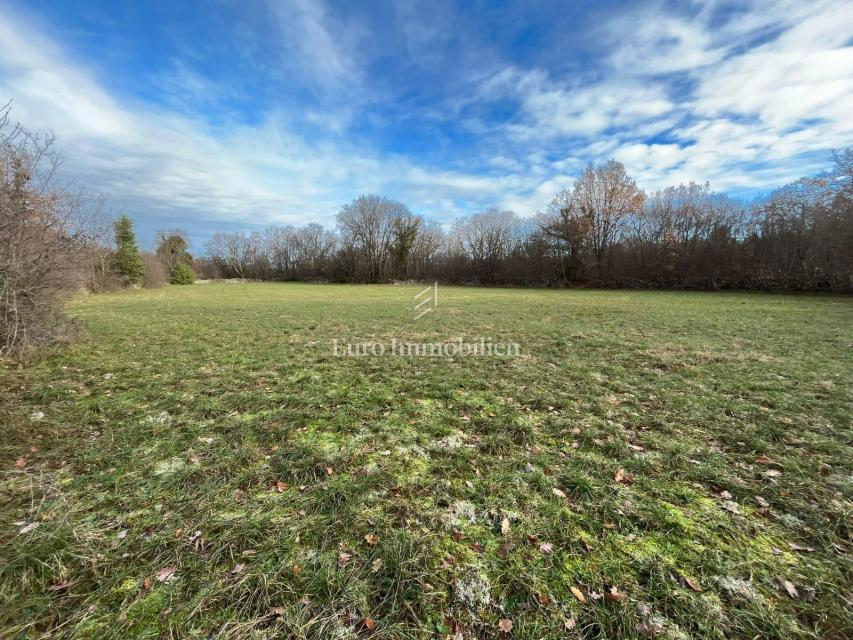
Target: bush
[(44, 244), (156, 274), (182, 274)]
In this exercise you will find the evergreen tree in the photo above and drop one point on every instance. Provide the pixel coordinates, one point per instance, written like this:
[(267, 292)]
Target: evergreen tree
[(182, 274), (126, 259)]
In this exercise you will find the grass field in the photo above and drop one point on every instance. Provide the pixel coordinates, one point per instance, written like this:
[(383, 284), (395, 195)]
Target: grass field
[(673, 465)]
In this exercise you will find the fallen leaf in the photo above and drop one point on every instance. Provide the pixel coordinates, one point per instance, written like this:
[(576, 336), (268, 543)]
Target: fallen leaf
[(544, 599), (376, 565), (166, 574), (281, 487), (370, 624), (691, 584), (371, 539), (505, 526), (614, 595), (762, 502), (276, 611), (238, 568), (799, 547), (789, 587), (558, 492), (147, 584), (344, 558), (623, 477), (330, 471), (179, 533), (29, 527), (570, 623), (297, 570), (773, 473), (505, 625), (579, 595), (731, 507), (763, 460), (476, 546), (546, 547)]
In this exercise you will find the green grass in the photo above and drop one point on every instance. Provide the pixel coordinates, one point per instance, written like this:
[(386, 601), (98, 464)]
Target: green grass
[(167, 428)]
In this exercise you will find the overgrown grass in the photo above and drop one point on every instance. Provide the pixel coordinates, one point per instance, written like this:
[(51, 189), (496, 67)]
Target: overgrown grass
[(206, 436)]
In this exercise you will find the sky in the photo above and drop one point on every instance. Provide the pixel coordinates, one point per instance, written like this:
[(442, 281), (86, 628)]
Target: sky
[(218, 115)]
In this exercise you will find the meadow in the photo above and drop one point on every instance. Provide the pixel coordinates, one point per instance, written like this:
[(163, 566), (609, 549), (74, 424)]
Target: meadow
[(651, 465)]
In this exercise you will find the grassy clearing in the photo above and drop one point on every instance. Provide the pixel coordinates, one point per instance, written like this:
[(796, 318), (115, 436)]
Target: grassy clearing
[(202, 466)]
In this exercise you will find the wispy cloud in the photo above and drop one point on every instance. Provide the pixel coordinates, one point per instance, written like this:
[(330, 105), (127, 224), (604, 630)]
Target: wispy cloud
[(744, 98)]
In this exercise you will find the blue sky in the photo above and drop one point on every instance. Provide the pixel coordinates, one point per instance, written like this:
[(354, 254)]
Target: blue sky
[(219, 115)]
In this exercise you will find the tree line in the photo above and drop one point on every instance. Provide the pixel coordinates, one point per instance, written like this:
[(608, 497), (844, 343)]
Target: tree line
[(604, 230)]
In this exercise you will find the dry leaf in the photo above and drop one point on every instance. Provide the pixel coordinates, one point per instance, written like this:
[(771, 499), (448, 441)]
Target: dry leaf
[(558, 492), (614, 595), (505, 526), (21, 463), (570, 623), (623, 477), (276, 611), (579, 595), (281, 487), (799, 547), (166, 574), (238, 568), (762, 502), (544, 599), (344, 558), (370, 624), (371, 539), (763, 460), (376, 565), (789, 587), (546, 547), (691, 584), (731, 507), (505, 625), (147, 584), (330, 471), (179, 533), (297, 570)]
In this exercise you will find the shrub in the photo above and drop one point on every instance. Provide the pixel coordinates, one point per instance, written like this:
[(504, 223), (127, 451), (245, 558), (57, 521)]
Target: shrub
[(44, 243), (182, 274), (156, 273)]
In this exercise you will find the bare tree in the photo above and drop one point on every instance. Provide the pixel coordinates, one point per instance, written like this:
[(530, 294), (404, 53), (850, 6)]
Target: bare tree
[(367, 226), (488, 238), (235, 251), (606, 196)]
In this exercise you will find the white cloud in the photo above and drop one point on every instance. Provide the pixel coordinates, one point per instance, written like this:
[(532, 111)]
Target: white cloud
[(151, 160)]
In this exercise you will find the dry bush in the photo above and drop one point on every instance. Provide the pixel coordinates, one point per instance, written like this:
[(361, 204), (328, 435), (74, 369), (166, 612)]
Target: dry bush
[(156, 273), (45, 237)]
